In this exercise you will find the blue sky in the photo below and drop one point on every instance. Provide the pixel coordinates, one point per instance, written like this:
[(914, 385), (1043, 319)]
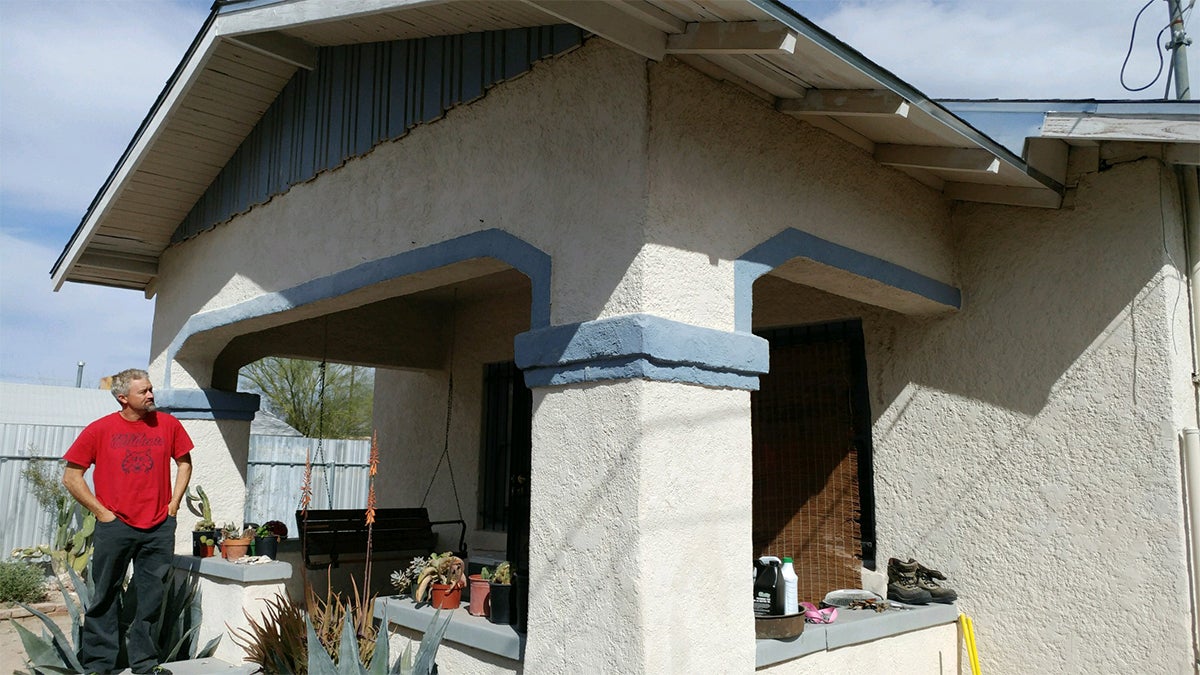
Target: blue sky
[(77, 78)]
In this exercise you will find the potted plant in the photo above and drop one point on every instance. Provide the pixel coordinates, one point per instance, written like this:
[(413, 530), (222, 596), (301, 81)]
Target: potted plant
[(205, 527), (267, 538), (480, 588), (208, 545), (235, 541), (500, 595), (441, 581)]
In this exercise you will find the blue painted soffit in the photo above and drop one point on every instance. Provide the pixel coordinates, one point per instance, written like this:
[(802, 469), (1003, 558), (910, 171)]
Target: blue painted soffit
[(641, 346)]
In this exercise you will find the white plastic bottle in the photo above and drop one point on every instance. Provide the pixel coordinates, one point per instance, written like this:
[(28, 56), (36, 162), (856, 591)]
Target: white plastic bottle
[(791, 597)]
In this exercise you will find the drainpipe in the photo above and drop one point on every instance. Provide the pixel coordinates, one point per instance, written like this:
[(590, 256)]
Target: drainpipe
[(1190, 193), (1189, 183)]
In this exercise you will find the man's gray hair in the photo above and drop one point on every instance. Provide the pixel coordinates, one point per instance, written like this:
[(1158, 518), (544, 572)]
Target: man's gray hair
[(120, 381)]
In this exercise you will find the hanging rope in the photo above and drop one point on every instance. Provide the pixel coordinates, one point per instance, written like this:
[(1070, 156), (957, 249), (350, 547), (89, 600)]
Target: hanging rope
[(449, 408)]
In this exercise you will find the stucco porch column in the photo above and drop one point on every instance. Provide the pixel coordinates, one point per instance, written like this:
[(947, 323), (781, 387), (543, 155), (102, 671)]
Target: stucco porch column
[(640, 523), (219, 425)]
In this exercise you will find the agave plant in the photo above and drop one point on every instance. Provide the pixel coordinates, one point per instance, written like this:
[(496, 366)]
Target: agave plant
[(174, 629), (320, 662)]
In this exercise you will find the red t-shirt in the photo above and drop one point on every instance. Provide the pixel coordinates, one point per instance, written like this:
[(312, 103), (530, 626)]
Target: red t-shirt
[(133, 463)]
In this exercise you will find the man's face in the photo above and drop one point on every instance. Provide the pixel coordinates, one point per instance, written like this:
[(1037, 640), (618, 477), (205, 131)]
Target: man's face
[(140, 398)]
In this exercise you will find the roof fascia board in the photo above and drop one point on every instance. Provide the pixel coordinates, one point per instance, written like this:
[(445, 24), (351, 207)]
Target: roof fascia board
[(1160, 129), (263, 17), (887, 80), (168, 100), (615, 26)]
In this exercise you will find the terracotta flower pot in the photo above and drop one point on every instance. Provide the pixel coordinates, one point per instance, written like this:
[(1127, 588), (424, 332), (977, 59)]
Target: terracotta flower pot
[(233, 549), (207, 550), (480, 588), (445, 596)]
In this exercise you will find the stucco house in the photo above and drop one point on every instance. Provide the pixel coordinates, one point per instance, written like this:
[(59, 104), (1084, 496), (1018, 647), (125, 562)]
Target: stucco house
[(675, 284)]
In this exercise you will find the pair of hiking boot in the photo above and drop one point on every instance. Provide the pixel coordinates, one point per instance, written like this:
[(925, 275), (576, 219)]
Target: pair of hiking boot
[(912, 583)]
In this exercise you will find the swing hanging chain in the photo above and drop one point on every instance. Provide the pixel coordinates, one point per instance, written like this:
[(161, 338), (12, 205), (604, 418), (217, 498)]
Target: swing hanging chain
[(449, 408)]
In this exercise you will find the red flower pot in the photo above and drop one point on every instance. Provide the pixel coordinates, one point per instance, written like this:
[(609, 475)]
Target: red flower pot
[(445, 596), (480, 588)]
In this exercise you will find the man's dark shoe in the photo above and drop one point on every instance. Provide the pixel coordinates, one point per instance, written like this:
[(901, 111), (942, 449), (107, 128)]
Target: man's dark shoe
[(928, 580), (903, 585)]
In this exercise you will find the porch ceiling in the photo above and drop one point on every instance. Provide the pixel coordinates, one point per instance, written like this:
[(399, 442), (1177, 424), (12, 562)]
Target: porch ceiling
[(249, 49)]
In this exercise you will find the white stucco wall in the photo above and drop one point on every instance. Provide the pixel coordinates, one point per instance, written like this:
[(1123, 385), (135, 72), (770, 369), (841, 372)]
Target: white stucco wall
[(727, 172), (1027, 445), (1024, 445), (932, 651)]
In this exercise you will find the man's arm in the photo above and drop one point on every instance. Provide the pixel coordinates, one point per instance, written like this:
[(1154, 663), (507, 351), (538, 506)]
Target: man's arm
[(182, 477), (78, 487)]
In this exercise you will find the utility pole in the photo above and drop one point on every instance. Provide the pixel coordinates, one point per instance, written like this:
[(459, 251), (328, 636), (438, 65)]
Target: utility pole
[(1178, 46)]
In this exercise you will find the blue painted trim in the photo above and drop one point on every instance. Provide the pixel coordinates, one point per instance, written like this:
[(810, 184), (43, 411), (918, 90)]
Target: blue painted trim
[(207, 404), (793, 243), (641, 346), (359, 96), (493, 243)]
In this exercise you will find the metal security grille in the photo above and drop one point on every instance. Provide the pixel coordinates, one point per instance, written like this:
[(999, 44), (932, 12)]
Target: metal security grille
[(812, 481), (506, 440)]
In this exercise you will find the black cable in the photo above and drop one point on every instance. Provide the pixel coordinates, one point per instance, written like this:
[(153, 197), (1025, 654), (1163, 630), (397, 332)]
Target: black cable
[(1157, 50)]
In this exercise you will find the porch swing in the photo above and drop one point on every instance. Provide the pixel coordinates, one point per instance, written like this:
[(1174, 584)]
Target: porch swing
[(331, 536)]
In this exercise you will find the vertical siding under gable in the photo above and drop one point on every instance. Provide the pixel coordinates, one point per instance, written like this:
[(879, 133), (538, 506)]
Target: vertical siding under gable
[(359, 96)]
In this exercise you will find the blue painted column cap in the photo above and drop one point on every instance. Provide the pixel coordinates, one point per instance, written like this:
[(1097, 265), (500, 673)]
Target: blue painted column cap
[(641, 346), (207, 404)]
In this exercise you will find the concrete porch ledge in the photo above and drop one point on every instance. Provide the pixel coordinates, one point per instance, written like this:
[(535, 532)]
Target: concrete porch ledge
[(853, 627), (220, 568), (472, 631)]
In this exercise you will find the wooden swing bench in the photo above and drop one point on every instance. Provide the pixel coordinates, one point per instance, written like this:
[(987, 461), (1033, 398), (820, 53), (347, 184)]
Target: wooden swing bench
[(331, 536)]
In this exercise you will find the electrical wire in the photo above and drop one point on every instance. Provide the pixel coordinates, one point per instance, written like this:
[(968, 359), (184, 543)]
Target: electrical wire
[(1157, 50)]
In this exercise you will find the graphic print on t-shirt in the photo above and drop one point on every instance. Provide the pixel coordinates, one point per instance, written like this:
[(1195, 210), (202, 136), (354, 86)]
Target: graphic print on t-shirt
[(137, 448)]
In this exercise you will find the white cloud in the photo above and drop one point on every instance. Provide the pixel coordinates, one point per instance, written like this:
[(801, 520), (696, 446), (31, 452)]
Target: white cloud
[(44, 334), (76, 79)]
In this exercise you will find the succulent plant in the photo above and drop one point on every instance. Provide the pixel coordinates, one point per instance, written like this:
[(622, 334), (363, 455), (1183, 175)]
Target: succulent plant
[(442, 568), (206, 521), (502, 575)]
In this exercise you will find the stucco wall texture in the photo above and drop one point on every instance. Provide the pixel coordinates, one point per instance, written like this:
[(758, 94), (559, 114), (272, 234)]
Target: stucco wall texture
[(1026, 445)]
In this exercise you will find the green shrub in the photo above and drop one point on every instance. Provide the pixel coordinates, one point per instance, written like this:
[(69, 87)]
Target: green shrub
[(22, 582)]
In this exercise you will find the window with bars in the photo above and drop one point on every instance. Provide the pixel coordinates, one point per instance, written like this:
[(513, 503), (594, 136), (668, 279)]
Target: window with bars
[(506, 441), (813, 494)]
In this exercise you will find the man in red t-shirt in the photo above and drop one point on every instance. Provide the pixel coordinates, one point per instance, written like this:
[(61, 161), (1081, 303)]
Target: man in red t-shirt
[(135, 506)]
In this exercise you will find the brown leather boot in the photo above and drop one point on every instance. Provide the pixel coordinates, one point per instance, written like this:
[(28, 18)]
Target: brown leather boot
[(903, 584), (928, 580)]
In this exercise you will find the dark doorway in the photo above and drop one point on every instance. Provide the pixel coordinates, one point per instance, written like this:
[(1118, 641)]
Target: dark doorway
[(813, 481), (507, 441)]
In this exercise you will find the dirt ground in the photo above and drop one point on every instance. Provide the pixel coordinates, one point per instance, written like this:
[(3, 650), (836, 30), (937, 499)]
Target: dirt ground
[(12, 653)]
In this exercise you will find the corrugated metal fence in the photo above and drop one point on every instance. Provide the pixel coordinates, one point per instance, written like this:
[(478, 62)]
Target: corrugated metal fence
[(276, 473), (25, 522), (273, 478)]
